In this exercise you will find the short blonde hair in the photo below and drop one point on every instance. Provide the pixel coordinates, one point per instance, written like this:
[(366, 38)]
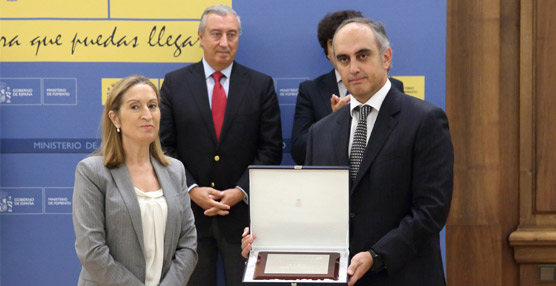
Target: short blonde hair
[(112, 148)]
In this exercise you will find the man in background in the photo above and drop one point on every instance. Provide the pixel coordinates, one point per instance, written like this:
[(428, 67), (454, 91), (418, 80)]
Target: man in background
[(219, 117)]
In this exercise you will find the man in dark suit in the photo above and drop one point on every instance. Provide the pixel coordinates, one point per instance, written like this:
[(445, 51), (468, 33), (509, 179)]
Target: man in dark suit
[(401, 165), (219, 117), (327, 93)]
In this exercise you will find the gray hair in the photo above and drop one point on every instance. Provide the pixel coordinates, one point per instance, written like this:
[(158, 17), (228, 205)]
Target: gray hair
[(220, 10), (380, 33)]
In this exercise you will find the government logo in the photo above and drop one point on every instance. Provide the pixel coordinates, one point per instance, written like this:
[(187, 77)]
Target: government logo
[(5, 93), (6, 203)]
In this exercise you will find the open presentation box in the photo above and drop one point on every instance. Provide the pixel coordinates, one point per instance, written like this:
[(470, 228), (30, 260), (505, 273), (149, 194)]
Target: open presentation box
[(300, 217)]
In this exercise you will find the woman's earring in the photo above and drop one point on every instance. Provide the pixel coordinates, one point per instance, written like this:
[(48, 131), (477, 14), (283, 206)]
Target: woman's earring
[(118, 129)]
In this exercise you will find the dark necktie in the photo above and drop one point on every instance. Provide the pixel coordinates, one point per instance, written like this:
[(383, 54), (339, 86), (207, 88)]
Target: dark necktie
[(359, 142), (218, 103)]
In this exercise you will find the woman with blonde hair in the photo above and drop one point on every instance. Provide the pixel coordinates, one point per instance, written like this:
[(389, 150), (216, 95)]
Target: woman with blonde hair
[(131, 211)]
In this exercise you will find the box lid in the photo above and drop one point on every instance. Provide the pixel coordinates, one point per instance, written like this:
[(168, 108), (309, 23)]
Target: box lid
[(299, 207)]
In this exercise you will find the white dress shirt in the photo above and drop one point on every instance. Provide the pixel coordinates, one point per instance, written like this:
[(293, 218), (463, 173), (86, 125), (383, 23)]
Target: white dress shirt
[(375, 102)]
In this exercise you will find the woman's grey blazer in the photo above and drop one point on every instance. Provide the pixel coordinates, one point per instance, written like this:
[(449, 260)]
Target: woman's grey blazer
[(109, 232)]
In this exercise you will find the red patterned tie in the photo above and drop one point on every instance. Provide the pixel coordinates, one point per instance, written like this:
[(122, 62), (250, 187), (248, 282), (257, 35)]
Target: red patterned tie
[(218, 103)]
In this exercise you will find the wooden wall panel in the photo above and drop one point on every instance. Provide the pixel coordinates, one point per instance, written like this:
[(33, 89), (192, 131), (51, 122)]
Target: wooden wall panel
[(482, 103), (472, 105), (509, 134), (534, 241), (545, 105), (500, 99), (481, 252)]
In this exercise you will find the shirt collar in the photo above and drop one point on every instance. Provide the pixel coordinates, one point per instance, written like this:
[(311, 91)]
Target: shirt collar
[(209, 70), (375, 101)]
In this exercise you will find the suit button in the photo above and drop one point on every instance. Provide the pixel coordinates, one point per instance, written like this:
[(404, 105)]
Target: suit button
[(351, 215), (216, 158), (212, 184)]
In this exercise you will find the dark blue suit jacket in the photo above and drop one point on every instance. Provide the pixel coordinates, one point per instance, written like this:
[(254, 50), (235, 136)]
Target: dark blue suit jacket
[(313, 104), (401, 197), (251, 134)]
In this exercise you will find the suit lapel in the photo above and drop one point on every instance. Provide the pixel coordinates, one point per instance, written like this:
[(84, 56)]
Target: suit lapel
[(386, 122), (170, 194), (327, 87), (340, 136), (198, 89), (236, 93), (125, 187)]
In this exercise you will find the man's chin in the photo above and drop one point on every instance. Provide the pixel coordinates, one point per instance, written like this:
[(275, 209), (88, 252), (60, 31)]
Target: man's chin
[(356, 89), (224, 59), (359, 93)]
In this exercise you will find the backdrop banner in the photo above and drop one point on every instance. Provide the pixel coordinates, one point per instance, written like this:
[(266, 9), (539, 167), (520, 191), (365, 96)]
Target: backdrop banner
[(60, 58)]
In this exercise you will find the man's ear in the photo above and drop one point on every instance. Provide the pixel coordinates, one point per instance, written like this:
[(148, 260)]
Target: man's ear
[(200, 39), (387, 58)]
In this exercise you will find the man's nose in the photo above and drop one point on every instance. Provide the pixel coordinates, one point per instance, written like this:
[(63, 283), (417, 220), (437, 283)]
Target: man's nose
[(354, 67), (224, 41)]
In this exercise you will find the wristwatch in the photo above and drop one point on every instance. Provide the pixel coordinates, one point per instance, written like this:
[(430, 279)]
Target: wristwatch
[(378, 264)]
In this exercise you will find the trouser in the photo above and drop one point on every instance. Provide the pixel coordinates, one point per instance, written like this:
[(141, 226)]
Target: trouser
[(208, 248)]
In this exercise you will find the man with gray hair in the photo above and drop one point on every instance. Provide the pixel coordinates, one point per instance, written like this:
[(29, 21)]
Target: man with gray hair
[(219, 117), (401, 161)]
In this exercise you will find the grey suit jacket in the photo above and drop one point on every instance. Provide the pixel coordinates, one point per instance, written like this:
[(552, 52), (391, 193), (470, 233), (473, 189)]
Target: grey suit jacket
[(108, 228)]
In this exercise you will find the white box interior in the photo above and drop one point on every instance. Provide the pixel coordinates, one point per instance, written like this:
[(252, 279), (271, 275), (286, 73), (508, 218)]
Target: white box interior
[(299, 210)]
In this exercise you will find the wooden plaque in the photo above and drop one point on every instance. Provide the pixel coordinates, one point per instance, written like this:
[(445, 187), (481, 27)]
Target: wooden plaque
[(297, 265)]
